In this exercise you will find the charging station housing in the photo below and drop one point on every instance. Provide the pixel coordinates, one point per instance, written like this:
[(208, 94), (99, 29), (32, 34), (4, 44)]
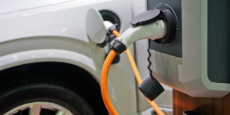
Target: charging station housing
[(197, 62)]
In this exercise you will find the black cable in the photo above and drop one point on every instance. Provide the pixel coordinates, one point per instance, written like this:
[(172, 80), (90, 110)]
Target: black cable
[(150, 63)]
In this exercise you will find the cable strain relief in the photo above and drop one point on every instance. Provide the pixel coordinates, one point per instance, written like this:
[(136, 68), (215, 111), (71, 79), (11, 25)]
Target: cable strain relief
[(111, 29), (118, 46)]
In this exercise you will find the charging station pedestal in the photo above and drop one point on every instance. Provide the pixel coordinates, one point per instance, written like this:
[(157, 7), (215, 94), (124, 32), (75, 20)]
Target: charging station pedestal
[(200, 106)]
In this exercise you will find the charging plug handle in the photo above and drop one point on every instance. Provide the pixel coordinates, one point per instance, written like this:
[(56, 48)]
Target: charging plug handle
[(157, 24), (118, 46), (155, 30)]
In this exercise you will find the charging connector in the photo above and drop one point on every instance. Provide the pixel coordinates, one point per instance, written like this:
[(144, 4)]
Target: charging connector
[(153, 24), (151, 31), (109, 27)]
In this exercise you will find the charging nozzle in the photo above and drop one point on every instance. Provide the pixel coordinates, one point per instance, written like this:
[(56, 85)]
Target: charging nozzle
[(146, 25), (109, 27)]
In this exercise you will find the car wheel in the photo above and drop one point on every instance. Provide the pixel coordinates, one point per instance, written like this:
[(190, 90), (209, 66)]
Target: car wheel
[(41, 96)]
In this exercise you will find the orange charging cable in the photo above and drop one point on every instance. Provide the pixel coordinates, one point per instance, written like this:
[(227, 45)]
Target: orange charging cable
[(104, 89), (104, 76)]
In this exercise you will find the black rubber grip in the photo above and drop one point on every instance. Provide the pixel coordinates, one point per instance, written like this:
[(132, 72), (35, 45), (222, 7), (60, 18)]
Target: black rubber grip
[(118, 46)]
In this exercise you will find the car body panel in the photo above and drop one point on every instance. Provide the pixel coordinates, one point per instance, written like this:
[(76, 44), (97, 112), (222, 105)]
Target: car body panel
[(48, 55), (8, 6), (43, 33), (67, 20)]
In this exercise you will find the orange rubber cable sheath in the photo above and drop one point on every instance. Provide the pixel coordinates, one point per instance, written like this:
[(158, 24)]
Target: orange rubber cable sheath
[(137, 75), (116, 33), (104, 89)]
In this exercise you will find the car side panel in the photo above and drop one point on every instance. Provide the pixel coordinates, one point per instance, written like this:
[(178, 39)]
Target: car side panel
[(67, 19), (61, 28)]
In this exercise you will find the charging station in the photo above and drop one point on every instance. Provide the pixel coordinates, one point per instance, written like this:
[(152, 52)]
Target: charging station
[(196, 65), (197, 62)]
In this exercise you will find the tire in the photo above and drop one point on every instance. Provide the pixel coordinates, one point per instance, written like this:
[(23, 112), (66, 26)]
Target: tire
[(29, 89)]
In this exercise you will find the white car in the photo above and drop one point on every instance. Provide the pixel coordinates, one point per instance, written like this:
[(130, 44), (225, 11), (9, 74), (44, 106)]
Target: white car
[(49, 66)]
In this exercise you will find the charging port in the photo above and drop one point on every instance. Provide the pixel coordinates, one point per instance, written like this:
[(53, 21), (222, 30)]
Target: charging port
[(113, 18)]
